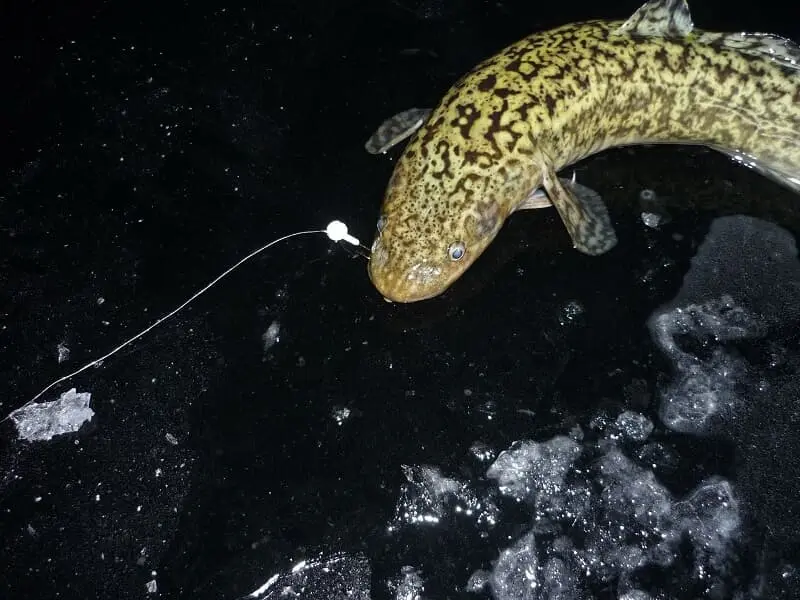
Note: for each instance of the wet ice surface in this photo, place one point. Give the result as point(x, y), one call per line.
point(43, 421)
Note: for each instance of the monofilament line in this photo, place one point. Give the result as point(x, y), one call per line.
point(336, 231)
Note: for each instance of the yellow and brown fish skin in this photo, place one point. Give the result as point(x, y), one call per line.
point(506, 127)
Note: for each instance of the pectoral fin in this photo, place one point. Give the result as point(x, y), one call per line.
point(583, 212)
point(395, 129)
point(536, 199)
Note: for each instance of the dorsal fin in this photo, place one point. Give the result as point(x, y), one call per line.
point(660, 18)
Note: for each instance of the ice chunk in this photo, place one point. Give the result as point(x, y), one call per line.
point(719, 320)
point(272, 335)
point(429, 494)
point(63, 352)
point(652, 220)
point(727, 295)
point(515, 575)
point(706, 378)
point(534, 469)
point(631, 492)
point(410, 585)
point(482, 451)
point(43, 421)
point(593, 523)
point(571, 311)
point(338, 577)
point(341, 414)
point(710, 517)
point(701, 393)
point(478, 581)
point(653, 213)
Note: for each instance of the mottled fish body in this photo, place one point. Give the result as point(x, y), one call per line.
point(497, 139)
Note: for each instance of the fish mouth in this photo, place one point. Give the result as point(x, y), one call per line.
point(394, 291)
point(412, 285)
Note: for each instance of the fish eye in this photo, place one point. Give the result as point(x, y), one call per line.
point(381, 223)
point(456, 250)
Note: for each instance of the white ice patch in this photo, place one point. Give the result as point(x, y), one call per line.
point(43, 421)
point(704, 386)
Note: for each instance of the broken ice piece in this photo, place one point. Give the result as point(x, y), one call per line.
point(45, 420)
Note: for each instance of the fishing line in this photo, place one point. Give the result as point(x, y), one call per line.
point(336, 231)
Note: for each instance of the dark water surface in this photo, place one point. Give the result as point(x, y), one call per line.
point(646, 400)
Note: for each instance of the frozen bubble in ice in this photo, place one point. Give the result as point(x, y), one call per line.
point(478, 581)
point(700, 393)
point(42, 421)
point(653, 212)
point(341, 414)
point(647, 196)
point(63, 352)
point(529, 468)
point(710, 517)
point(727, 295)
point(410, 586)
point(429, 494)
point(634, 426)
point(570, 312)
point(631, 491)
point(272, 335)
point(482, 452)
point(705, 382)
point(515, 575)
point(652, 220)
point(720, 320)
point(658, 456)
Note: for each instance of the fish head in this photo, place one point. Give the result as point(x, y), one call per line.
point(429, 234)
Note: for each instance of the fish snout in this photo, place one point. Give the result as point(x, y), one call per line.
point(399, 280)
